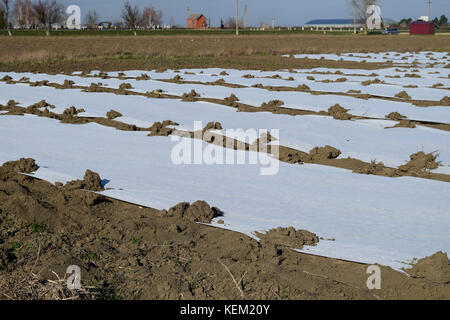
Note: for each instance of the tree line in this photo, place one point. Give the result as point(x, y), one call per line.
point(439, 22)
point(42, 14)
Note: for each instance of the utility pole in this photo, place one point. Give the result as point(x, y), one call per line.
point(354, 18)
point(245, 17)
point(237, 17)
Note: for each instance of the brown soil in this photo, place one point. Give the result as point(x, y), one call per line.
point(403, 124)
point(289, 237)
point(129, 252)
point(435, 268)
point(395, 116)
point(420, 162)
point(403, 95)
point(213, 126)
point(339, 113)
point(376, 168)
point(91, 181)
point(190, 97)
point(112, 114)
point(160, 128)
point(324, 153)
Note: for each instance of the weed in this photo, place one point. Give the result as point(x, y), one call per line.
point(36, 228)
point(136, 240)
point(16, 245)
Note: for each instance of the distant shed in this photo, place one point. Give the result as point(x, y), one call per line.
point(197, 21)
point(421, 27)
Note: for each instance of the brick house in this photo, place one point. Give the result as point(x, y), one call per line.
point(197, 21)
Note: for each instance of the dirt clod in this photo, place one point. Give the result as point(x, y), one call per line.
point(213, 126)
point(23, 165)
point(403, 95)
point(339, 113)
point(289, 237)
point(324, 153)
point(160, 128)
point(395, 116)
point(272, 104)
point(199, 211)
point(435, 268)
point(112, 114)
point(125, 86)
point(191, 96)
point(91, 181)
point(420, 162)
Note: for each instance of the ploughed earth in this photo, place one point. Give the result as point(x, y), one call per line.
point(126, 251)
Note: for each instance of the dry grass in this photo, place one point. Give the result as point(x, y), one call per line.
point(262, 51)
point(33, 288)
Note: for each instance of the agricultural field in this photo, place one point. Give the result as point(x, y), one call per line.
point(242, 170)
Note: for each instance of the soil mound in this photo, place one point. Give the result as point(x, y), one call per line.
point(289, 237)
point(339, 113)
point(143, 76)
point(191, 96)
point(395, 116)
point(72, 111)
point(403, 95)
point(435, 268)
point(231, 100)
point(272, 104)
point(125, 86)
point(160, 128)
point(374, 167)
point(112, 114)
point(91, 181)
point(199, 211)
point(213, 126)
point(24, 165)
point(41, 104)
point(303, 87)
point(324, 153)
point(419, 162)
point(445, 101)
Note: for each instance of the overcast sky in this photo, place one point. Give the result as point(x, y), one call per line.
point(285, 12)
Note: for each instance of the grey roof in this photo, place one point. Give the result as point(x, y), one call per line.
point(195, 16)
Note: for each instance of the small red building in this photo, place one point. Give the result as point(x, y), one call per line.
point(197, 21)
point(421, 27)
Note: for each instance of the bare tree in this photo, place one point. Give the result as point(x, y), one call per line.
point(23, 14)
point(230, 23)
point(360, 11)
point(131, 16)
point(91, 19)
point(151, 17)
point(47, 12)
point(6, 15)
